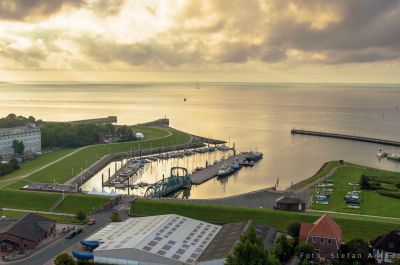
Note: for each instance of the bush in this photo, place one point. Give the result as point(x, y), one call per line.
point(64, 259)
point(81, 216)
point(393, 194)
point(8, 167)
point(115, 217)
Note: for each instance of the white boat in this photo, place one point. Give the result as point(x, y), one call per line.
point(224, 171)
point(223, 147)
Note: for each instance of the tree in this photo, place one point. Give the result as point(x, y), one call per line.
point(293, 230)
point(282, 249)
point(355, 251)
point(18, 147)
point(249, 250)
point(64, 259)
point(305, 251)
point(272, 260)
point(81, 216)
point(115, 217)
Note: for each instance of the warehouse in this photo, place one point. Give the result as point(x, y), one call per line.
point(169, 239)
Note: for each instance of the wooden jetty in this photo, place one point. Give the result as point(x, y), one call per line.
point(211, 171)
point(346, 137)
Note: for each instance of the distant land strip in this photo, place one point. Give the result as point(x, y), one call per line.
point(346, 137)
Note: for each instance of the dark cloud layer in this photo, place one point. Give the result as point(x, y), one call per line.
point(33, 9)
point(222, 32)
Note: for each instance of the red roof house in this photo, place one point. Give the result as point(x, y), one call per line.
point(325, 234)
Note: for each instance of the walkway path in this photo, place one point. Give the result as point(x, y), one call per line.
point(39, 212)
point(357, 214)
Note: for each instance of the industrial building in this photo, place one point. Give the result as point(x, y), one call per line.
point(171, 240)
point(29, 134)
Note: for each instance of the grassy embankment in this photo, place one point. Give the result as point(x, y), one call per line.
point(372, 203)
point(43, 201)
point(353, 227)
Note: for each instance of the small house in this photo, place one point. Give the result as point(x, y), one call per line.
point(386, 247)
point(290, 203)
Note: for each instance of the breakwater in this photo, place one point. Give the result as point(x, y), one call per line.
point(346, 137)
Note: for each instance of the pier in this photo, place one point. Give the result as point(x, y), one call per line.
point(211, 171)
point(346, 137)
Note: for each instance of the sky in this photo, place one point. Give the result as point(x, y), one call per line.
point(341, 41)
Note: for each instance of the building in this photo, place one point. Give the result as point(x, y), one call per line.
point(29, 134)
point(170, 239)
point(325, 234)
point(386, 247)
point(290, 203)
point(24, 233)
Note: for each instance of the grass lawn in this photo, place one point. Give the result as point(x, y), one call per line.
point(57, 218)
point(372, 203)
point(39, 201)
point(16, 185)
point(74, 202)
point(37, 163)
point(65, 169)
point(365, 229)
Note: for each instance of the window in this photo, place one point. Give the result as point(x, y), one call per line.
point(322, 240)
point(314, 239)
point(329, 241)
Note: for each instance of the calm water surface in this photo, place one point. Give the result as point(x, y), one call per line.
point(251, 115)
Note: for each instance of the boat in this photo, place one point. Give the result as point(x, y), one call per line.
point(82, 255)
point(395, 157)
point(188, 152)
point(224, 171)
point(235, 165)
point(212, 148)
point(90, 244)
point(199, 168)
point(253, 156)
point(223, 147)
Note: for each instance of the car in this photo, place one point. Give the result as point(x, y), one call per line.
point(91, 221)
point(71, 235)
point(74, 233)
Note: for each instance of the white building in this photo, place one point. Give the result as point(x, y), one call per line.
point(30, 135)
point(170, 240)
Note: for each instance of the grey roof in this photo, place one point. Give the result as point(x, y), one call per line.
point(30, 227)
point(224, 242)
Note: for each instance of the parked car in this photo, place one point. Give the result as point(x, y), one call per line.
point(91, 221)
point(74, 233)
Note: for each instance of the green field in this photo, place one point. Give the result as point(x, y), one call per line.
point(65, 169)
point(372, 203)
point(37, 163)
point(57, 218)
point(16, 185)
point(38, 201)
point(366, 229)
point(74, 202)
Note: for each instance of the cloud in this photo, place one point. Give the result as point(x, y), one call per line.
point(175, 34)
point(28, 10)
point(105, 8)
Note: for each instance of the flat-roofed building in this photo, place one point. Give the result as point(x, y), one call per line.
point(167, 239)
point(29, 134)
